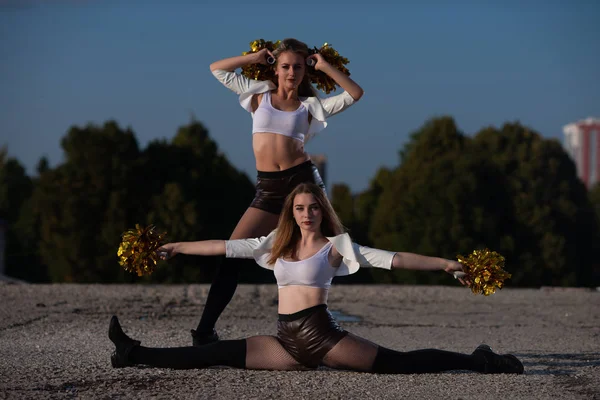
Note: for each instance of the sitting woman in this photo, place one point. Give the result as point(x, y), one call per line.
point(306, 251)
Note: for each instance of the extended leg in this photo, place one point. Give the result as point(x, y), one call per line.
point(421, 361)
point(231, 353)
point(355, 353)
point(257, 352)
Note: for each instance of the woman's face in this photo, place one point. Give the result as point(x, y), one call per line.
point(307, 212)
point(290, 70)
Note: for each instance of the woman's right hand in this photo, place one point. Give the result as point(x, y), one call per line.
point(262, 55)
point(167, 251)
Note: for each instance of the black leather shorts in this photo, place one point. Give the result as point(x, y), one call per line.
point(273, 187)
point(308, 335)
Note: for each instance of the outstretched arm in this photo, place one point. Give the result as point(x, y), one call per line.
point(424, 263)
point(239, 248)
point(370, 257)
point(200, 248)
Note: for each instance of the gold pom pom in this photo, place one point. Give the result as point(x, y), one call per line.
point(260, 72)
point(485, 271)
point(137, 251)
point(320, 79)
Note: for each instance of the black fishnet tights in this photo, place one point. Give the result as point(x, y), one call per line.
point(265, 352)
point(358, 354)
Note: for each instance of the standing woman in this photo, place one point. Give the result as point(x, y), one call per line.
point(285, 115)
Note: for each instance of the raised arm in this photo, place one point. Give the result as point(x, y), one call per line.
point(223, 70)
point(233, 63)
point(343, 80)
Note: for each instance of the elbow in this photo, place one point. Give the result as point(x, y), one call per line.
point(397, 262)
point(213, 67)
point(357, 94)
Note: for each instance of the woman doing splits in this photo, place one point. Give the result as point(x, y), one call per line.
point(306, 251)
point(285, 114)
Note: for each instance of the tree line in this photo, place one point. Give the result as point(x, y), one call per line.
point(507, 189)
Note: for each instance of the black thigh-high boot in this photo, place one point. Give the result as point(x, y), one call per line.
point(483, 359)
point(220, 294)
point(231, 353)
point(128, 352)
point(390, 361)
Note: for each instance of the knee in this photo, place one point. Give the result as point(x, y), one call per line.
point(332, 363)
point(387, 361)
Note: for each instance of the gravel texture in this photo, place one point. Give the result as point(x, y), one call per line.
point(54, 343)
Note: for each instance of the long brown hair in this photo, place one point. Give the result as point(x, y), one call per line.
point(305, 88)
point(288, 231)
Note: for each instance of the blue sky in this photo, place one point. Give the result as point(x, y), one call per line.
point(145, 64)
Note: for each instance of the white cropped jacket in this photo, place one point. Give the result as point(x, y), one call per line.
point(319, 108)
point(354, 255)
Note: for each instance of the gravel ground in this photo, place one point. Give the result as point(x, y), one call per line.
point(54, 344)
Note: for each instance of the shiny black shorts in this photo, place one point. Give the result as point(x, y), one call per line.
point(308, 335)
point(273, 187)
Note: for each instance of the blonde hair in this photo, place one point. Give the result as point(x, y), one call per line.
point(288, 231)
point(305, 88)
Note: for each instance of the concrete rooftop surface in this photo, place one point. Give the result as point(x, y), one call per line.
point(54, 343)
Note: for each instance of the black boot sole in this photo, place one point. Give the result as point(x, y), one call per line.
point(489, 367)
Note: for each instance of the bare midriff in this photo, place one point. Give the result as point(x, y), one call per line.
point(297, 298)
point(275, 152)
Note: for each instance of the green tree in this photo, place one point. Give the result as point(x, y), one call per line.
point(366, 203)
point(342, 201)
point(594, 196)
point(107, 185)
point(84, 204)
point(345, 205)
point(437, 201)
point(195, 193)
point(553, 224)
point(509, 190)
point(16, 187)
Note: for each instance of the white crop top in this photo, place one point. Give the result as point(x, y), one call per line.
point(268, 119)
point(315, 271)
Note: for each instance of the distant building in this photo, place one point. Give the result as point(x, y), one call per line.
point(320, 161)
point(582, 142)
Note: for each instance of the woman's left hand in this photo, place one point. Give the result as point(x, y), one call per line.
point(455, 269)
point(167, 251)
point(319, 61)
